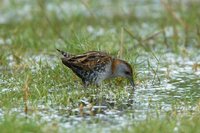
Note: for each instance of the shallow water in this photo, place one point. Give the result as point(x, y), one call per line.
point(179, 84)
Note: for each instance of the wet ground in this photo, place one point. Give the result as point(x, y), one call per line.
point(174, 87)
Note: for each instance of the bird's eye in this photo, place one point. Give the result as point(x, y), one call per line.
point(127, 72)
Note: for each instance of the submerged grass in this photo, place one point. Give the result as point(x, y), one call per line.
point(38, 94)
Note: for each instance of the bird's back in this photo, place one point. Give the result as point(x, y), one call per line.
point(89, 66)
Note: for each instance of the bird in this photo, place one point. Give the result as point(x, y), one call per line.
point(93, 67)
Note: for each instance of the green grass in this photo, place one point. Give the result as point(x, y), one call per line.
point(13, 124)
point(169, 124)
point(32, 75)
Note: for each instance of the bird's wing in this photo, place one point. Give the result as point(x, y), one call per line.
point(88, 61)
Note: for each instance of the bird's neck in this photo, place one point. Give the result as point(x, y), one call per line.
point(115, 67)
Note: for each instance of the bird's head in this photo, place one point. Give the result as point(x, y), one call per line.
point(121, 68)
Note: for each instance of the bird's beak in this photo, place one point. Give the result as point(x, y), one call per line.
point(132, 82)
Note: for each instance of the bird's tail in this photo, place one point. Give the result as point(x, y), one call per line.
point(65, 54)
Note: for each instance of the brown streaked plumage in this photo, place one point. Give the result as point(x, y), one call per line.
point(93, 67)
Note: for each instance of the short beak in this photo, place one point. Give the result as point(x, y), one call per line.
point(131, 82)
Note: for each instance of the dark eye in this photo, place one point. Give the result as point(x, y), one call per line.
point(127, 72)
